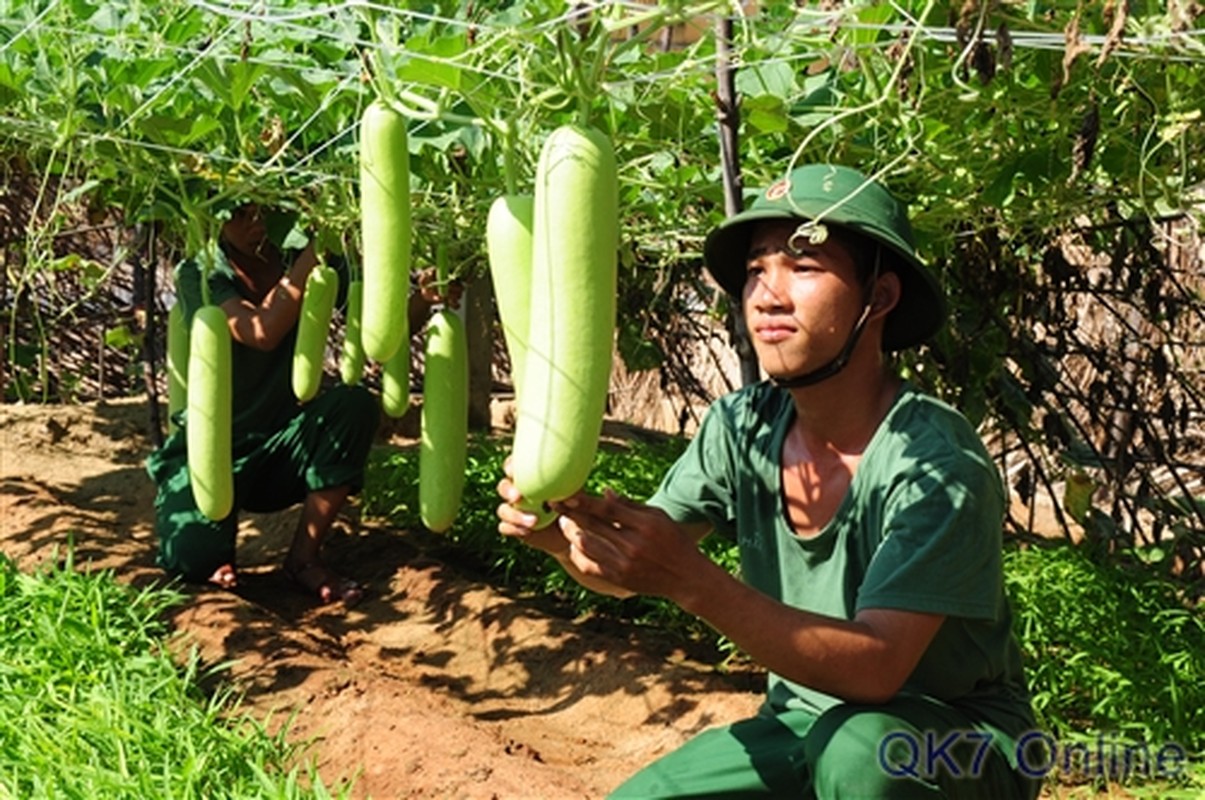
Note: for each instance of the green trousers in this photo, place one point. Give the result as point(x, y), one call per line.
point(911, 747)
point(323, 445)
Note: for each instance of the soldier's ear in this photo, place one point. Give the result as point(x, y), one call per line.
point(886, 293)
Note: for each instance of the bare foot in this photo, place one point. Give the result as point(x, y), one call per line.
point(325, 583)
point(224, 577)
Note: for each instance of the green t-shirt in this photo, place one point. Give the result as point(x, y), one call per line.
point(919, 529)
point(262, 379)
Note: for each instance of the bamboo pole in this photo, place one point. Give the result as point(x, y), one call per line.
point(728, 123)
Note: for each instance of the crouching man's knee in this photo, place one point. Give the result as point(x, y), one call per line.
point(905, 750)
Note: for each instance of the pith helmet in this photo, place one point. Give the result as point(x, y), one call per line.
point(843, 197)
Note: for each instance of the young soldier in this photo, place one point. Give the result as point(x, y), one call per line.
point(284, 452)
point(868, 517)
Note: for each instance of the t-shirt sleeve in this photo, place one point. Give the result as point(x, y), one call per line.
point(698, 487)
point(941, 550)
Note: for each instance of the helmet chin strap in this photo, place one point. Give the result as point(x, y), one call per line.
point(831, 368)
point(842, 358)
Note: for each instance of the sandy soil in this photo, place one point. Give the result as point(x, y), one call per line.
point(437, 685)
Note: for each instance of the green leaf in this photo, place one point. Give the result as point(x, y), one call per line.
point(1151, 555)
point(766, 114)
point(428, 62)
point(122, 337)
point(774, 77)
point(284, 229)
point(818, 103)
point(65, 263)
point(442, 139)
point(242, 77)
point(201, 127)
point(870, 16)
point(171, 130)
point(10, 80)
point(1000, 191)
point(107, 19)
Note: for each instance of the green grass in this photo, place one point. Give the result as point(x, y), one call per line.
point(1112, 653)
point(93, 704)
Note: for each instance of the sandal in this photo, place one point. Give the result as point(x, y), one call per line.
point(328, 585)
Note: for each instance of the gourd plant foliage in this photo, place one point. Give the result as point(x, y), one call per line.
point(1048, 152)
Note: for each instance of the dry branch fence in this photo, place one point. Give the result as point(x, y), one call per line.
point(1097, 413)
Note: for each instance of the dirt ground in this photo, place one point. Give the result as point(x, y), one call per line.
point(438, 685)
